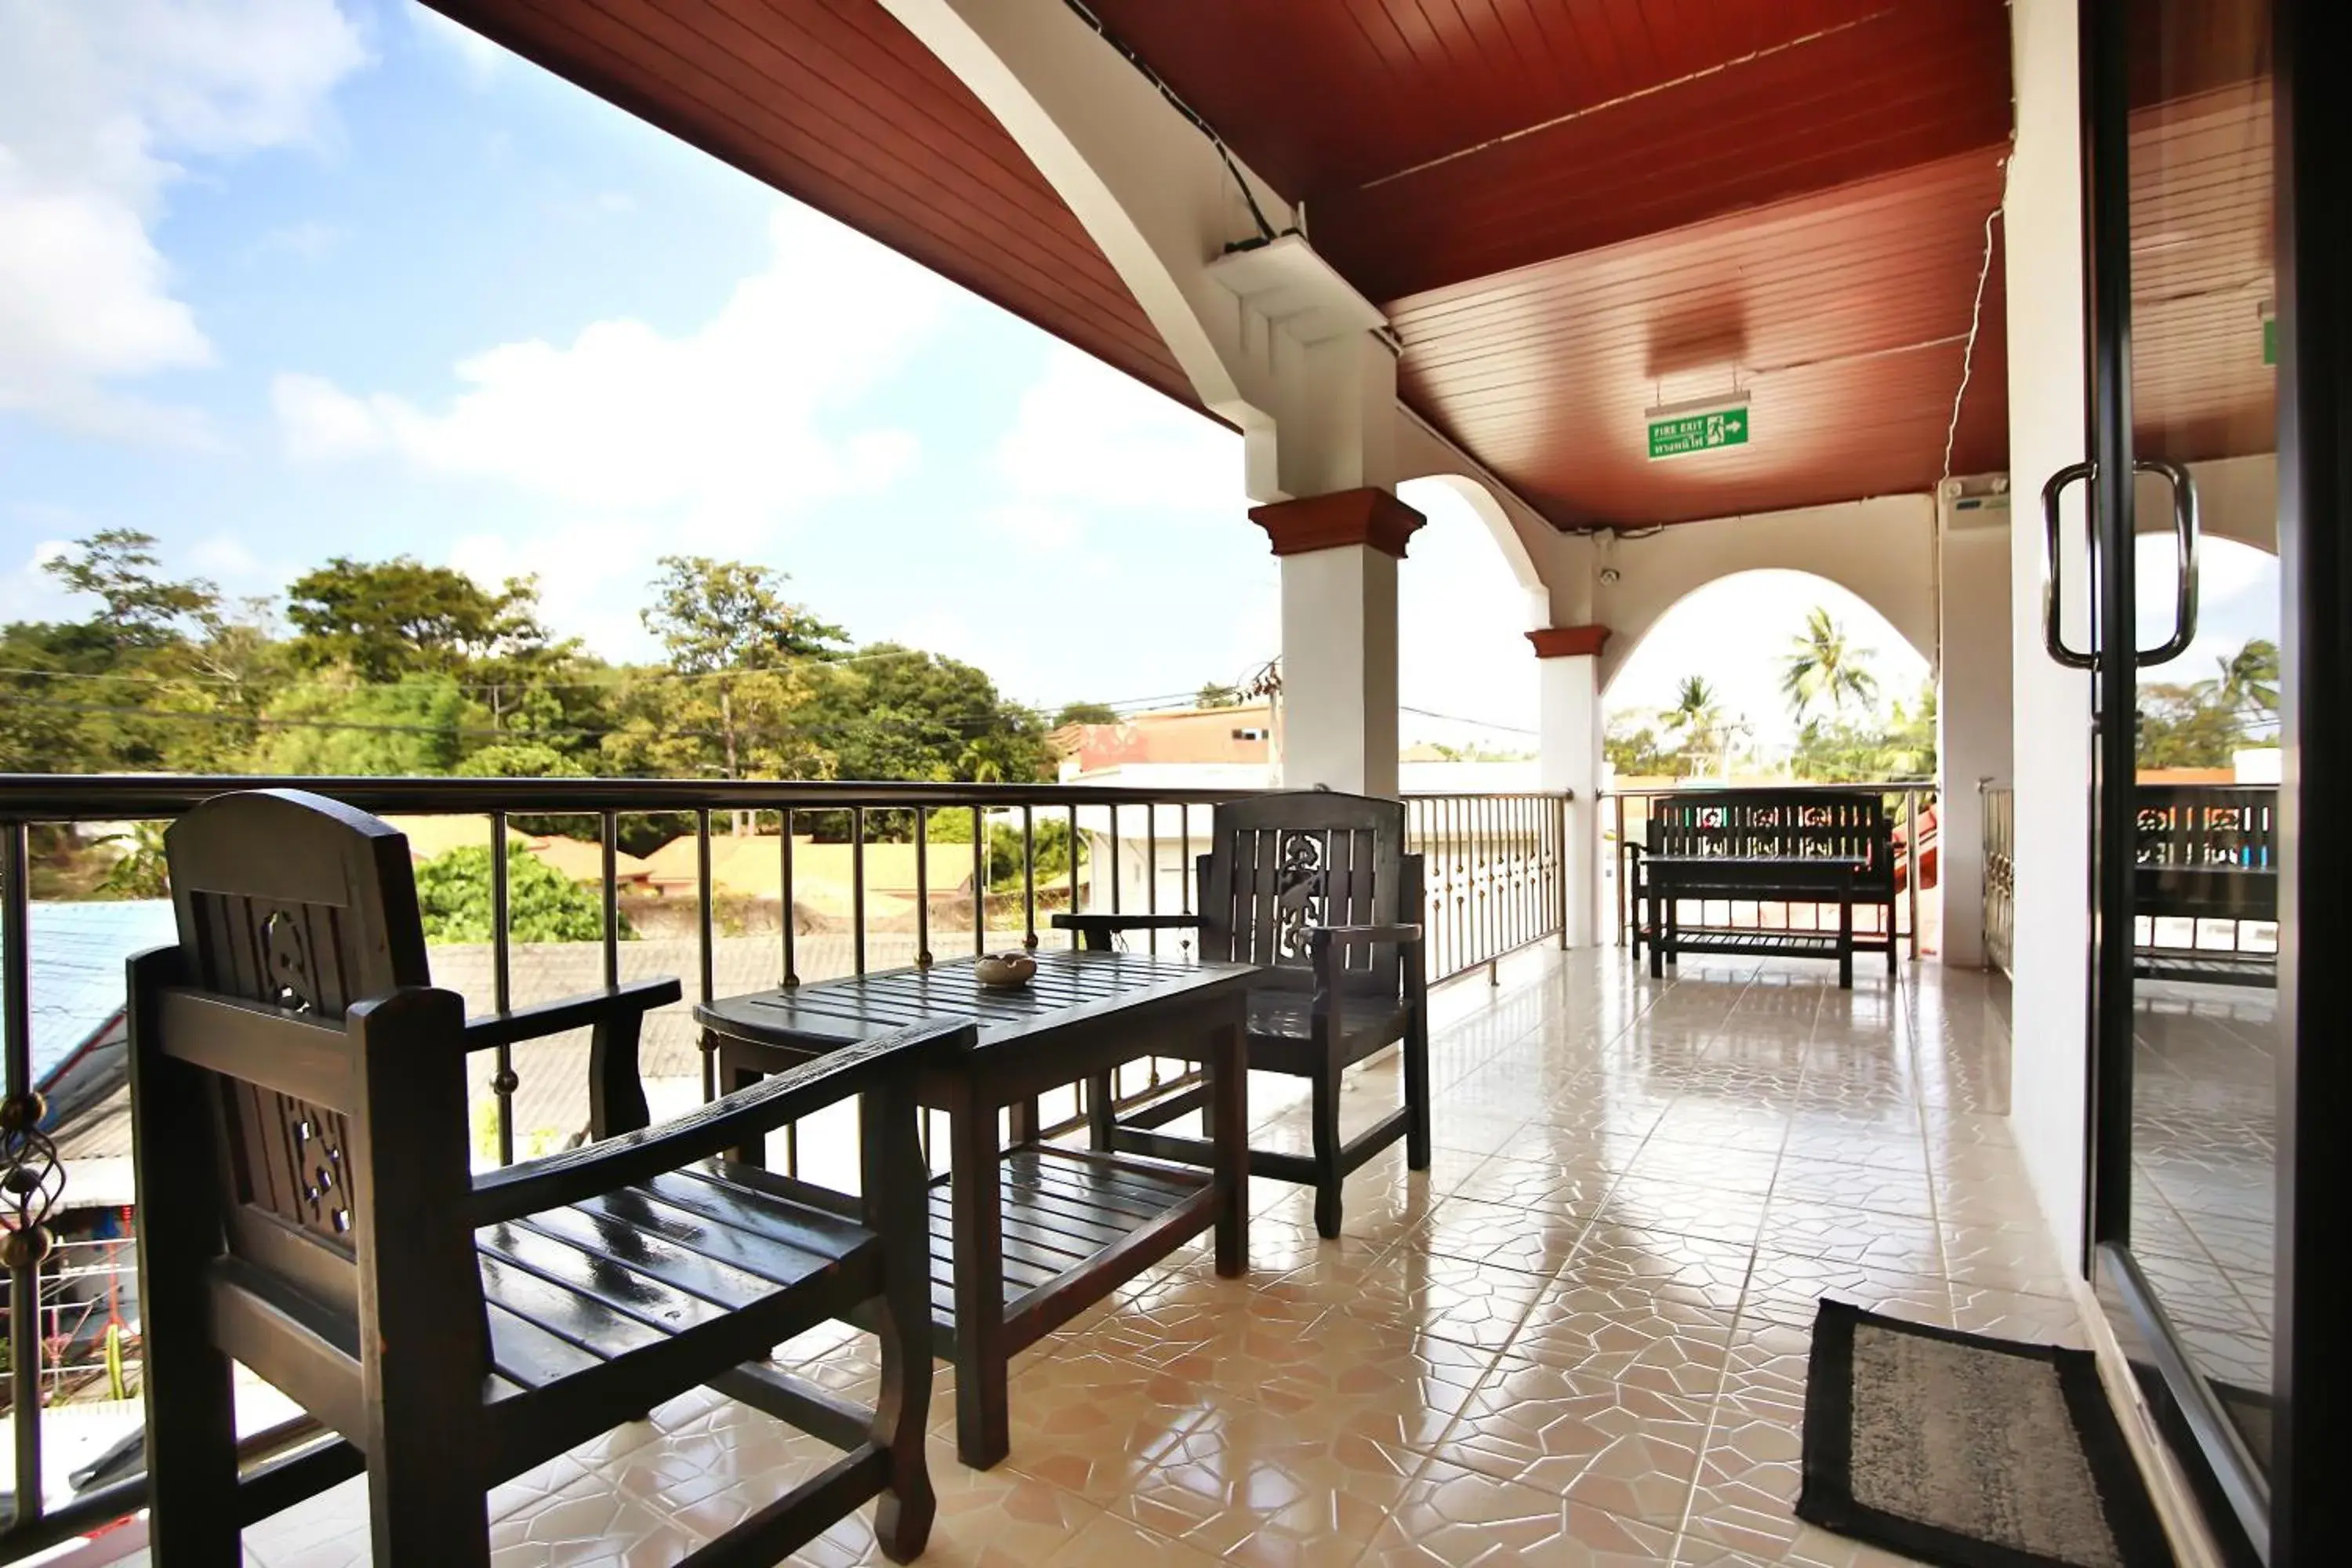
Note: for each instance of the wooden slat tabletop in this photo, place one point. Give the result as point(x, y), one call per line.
point(1067, 987)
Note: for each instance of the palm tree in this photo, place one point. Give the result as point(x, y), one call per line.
point(1696, 714)
point(1823, 667)
point(2249, 685)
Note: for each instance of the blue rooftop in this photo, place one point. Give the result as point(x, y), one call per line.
point(78, 951)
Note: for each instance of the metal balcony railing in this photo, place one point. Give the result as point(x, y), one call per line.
point(970, 867)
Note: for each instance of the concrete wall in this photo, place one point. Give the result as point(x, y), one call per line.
point(1972, 705)
point(2052, 704)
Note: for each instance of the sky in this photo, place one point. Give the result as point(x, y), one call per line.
point(285, 279)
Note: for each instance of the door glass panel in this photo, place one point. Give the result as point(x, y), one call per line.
point(2203, 1143)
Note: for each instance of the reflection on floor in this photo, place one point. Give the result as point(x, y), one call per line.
point(1580, 1338)
point(2204, 1168)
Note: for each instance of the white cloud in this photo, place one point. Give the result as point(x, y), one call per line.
point(726, 425)
point(1088, 434)
point(100, 105)
point(319, 421)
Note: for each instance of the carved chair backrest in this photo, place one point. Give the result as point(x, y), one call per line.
point(1786, 824)
point(1280, 865)
point(295, 901)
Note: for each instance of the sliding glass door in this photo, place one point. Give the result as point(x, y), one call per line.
point(2210, 689)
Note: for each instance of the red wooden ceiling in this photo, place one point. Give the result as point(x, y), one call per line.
point(835, 103)
point(1571, 208)
point(1438, 140)
point(1844, 314)
point(2203, 247)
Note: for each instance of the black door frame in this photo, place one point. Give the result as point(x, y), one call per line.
point(2312, 1450)
point(2294, 1515)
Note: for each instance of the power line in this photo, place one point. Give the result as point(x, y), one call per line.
point(1464, 719)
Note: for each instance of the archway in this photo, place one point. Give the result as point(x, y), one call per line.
point(1737, 634)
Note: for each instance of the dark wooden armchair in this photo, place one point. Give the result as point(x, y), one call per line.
point(306, 1207)
point(1315, 887)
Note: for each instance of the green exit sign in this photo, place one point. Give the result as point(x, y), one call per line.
point(1680, 435)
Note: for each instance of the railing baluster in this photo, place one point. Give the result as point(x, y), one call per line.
point(784, 898)
point(922, 886)
point(858, 887)
point(1151, 866)
point(503, 1080)
point(1074, 872)
point(611, 823)
point(1028, 876)
point(979, 880)
point(31, 1162)
point(707, 1046)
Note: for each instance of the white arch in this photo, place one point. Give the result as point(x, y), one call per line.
point(1147, 186)
point(1882, 550)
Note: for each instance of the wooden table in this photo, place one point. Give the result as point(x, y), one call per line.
point(1025, 1239)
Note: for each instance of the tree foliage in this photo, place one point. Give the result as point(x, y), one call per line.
point(453, 891)
point(397, 668)
point(388, 620)
point(1824, 670)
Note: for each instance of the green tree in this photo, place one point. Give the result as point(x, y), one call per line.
point(739, 678)
point(1217, 694)
point(895, 712)
point(341, 727)
point(389, 619)
point(452, 892)
point(2186, 726)
point(1697, 717)
point(1085, 713)
point(1635, 750)
point(2249, 682)
point(1824, 669)
point(117, 567)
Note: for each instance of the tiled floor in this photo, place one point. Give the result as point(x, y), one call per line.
point(1580, 1339)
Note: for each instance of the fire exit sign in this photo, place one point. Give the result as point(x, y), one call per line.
point(1678, 435)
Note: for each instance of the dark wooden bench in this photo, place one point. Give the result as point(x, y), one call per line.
point(2204, 853)
point(1825, 848)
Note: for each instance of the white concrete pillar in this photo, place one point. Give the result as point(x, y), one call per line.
point(1340, 556)
point(1568, 697)
point(2043, 219)
point(1973, 703)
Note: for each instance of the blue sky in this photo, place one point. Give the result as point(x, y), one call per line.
point(295, 279)
point(282, 279)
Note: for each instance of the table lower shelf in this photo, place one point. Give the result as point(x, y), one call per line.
point(1063, 1211)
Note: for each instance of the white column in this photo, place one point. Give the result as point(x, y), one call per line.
point(1339, 554)
point(2048, 1008)
point(1339, 669)
point(1568, 696)
point(1973, 702)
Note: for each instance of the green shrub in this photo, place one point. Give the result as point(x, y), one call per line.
point(542, 903)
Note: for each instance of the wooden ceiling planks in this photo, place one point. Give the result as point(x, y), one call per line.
point(2202, 273)
point(1845, 314)
point(837, 105)
point(1574, 208)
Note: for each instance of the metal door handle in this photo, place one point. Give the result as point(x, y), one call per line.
point(2184, 540)
point(2052, 637)
point(2185, 527)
